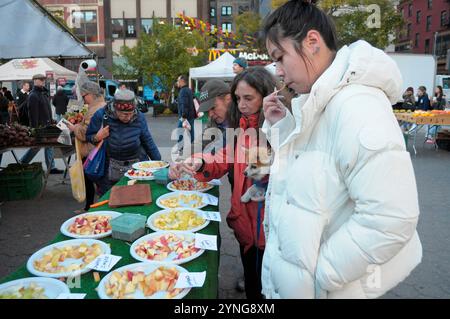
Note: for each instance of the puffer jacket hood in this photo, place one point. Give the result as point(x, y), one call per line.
point(360, 63)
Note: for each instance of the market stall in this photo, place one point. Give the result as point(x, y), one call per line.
point(222, 68)
point(16, 136)
point(24, 69)
point(431, 120)
point(88, 284)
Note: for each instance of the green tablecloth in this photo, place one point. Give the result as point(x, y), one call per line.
point(208, 261)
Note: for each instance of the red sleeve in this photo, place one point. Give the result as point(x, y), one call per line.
point(216, 165)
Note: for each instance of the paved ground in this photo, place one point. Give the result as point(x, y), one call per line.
point(26, 226)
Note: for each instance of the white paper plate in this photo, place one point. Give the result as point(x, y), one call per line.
point(170, 258)
point(64, 227)
point(139, 166)
point(52, 287)
point(72, 242)
point(173, 189)
point(140, 178)
point(146, 268)
point(181, 205)
point(161, 212)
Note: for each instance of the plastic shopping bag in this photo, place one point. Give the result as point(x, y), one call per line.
point(77, 176)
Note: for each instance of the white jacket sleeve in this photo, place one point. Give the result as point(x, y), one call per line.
point(278, 133)
point(380, 180)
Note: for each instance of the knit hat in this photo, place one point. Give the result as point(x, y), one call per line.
point(124, 100)
point(242, 62)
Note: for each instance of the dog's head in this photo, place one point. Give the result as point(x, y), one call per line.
point(259, 161)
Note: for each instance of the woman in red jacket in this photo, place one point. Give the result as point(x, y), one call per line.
point(247, 91)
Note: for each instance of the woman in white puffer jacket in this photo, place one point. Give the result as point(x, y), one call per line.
point(341, 205)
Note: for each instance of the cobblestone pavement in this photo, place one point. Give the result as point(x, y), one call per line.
point(26, 226)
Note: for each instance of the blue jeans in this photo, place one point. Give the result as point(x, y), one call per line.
point(31, 153)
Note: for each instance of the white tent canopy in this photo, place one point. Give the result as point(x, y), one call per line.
point(221, 68)
point(24, 69)
point(29, 31)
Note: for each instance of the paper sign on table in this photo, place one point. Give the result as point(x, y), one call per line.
point(190, 279)
point(208, 242)
point(214, 216)
point(210, 199)
point(215, 182)
point(104, 262)
point(71, 296)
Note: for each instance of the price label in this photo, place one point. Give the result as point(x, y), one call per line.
point(210, 199)
point(191, 279)
point(104, 262)
point(214, 216)
point(208, 242)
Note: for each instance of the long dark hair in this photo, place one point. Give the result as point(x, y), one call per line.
point(441, 91)
point(294, 20)
point(258, 78)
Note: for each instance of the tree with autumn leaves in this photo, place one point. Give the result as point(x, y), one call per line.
point(165, 53)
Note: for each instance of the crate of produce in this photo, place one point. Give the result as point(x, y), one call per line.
point(21, 181)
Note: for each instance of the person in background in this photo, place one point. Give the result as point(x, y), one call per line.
point(239, 65)
point(438, 103)
point(7, 93)
point(21, 102)
point(438, 99)
point(156, 97)
point(4, 115)
point(409, 101)
point(186, 109)
point(423, 102)
point(60, 101)
point(92, 96)
point(40, 115)
point(126, 132)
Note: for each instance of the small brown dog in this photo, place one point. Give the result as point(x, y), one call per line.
point(258, 169)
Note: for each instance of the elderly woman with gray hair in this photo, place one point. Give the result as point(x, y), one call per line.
point(92, 96)
point(127, 137)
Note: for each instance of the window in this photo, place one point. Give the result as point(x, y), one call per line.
point(213, 28)
point(130, 28)
point(430, 4)
point(416, 42)
point(428, 23)
point(213, 12)
point(226, 27)
point(227, 10)
point(408, 34)
point(443, 18)
point(85, 25)
point(427, 46)
point(418, 16)
point(146, 25)
point(410, 10)
point(117, 28)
